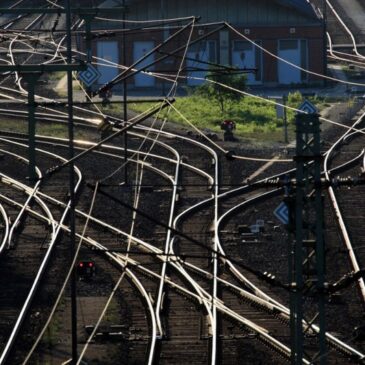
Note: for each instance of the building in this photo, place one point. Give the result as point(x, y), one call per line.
point(290, 29)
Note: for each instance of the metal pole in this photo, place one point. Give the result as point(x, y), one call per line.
point(31, 80)
point(87, 19)
point(123, 75)
point(297, 286)
point(324, 14)
point(125, 111)
point(165, 36)
point(309, 250)
point(71, 184)
point(286, 140)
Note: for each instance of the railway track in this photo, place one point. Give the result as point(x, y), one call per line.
point(165, 243)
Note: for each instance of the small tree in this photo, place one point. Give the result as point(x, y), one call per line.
point(222, 95)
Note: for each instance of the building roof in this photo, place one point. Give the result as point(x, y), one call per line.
point(304, 6)
point(110, 4)
point(281, 10)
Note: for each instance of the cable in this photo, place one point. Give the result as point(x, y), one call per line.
point(290, 63)
point(170, 20)
point(280, 104)
point(72, 267)
point(258, 274)
point(170, 94)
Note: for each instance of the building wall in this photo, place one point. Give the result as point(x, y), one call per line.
point(261, 21)
point(269, 37)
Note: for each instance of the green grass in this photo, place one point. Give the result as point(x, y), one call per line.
point(44, 129)
point(255, 118)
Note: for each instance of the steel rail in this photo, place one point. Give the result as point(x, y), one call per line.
point(339, 216)
point(168, 240)
point(32, 194)
point(27, 202)
point(333, 54)
point(216, 208)
point(139, 242)
point(211, 311)
point(48, 140)
point(35, 284)
point(15, 19)
point(17, 78)
point(14, 183)
point(263, 334)
point(285, 311)
point(145, 295)
point(162, 256)
point(338, 343)
point(158, 307)
point(6, 228)
point(197, 170)
point(204, 298)
point(174, 185)
point(348, 31)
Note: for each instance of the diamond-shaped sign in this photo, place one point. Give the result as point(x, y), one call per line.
point(89, 76)
point(308, 107)
point(282, 213)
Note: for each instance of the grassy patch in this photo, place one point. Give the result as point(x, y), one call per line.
point(44, 129)
point(255, 118)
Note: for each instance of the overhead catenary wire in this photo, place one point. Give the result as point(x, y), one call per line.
point(171, 94)
point(257, 273)
point(65, 282)
point(290, 63)
point(122, 77)
point(277, 103)
point(270, 101)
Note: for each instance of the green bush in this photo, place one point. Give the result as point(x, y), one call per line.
point(225, 97)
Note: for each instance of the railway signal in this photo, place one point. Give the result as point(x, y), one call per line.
point(86, 269)
point(228, 126)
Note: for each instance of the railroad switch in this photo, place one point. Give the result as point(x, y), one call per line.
point(346, 281)
point(105, 125)
point(230, 155)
